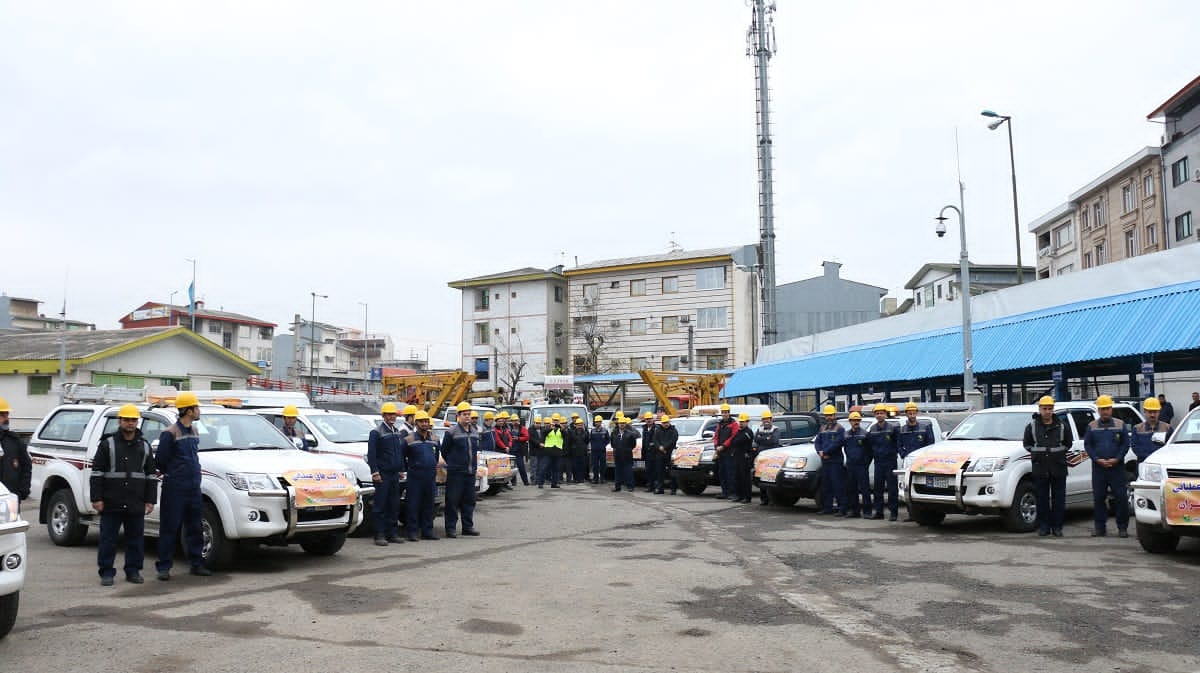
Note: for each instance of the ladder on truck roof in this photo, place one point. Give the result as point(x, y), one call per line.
point(80, 393)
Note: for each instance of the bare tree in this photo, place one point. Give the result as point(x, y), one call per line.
point(594, 336)
point(510, 368)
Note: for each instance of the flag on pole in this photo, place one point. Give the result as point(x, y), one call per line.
point(192, 298)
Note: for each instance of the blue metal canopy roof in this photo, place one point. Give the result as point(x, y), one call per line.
point(1157, 320)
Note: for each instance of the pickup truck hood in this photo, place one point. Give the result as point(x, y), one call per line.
point(1177, 455)
point(349, 448)
point(265, 461)
point(973, 448)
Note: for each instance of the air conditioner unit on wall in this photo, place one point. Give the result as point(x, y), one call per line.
point(614, 323)
point(557, 341)
point(685, 319)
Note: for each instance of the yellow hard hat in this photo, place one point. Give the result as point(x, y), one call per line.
point(911, 406)
point(664, 419)
point(421, 416)
point(1046, 401)
point(387, 408)
point(597, 419)
point(878, 408)
point(290, 411)
point(4, 408)
point(537, 420)
point(409, 410)
point(128, 411)
point(828, 410)
point(768, 414)
point(622, 419)
point(555, 417)
point(1152, 404)
point(855, 416)
point(743, 417)
point(574, 414)
point(474, 414)
point(186, 399)
point(724, 408)
point(1104, 401)
point(579, 420)
point(487, 416)
point(463, 406)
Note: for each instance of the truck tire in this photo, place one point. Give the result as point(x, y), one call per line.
point(1021, 516)
point(493, 489)
point(323, 545)
point(692, 487)
point(8, 612)
point(925, 516)
point(62, 520)
point(219, 551)
point(782, 498)
point(1156, 542)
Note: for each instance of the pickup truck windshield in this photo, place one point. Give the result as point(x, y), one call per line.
point(238, 431)
point(1189, 431)
point(999, 425)
point(342, 429)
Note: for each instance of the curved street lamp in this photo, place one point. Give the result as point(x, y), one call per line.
point(965, 283)
point(1000, 120)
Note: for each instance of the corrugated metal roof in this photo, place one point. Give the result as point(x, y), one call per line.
point(1157, 320)
point(78, 343)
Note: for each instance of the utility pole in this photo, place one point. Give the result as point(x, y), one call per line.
point(313, 363)
point(760, 45)
point(192, 295)
point(62, 353)
point(364, 367)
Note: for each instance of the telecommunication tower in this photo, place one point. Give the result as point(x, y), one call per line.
point(760, 46)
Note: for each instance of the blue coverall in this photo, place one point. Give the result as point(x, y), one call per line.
point(858, 459)
point(1105, 440)
point(419, 458)
point(460, 450)
point(180, 503)
point(829, 443)
point(384, 458)
point(882, 440)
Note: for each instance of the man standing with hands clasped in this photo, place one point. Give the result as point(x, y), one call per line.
point(123, 490)
point(1047, 440)
point(1106, 443)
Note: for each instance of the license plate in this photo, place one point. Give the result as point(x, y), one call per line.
point(768, 477)
point(937, 480)
point(322, 508)
point(640, 463)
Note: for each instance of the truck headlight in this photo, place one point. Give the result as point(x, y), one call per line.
point(989, 464)
point(708, 455)
point(350, 476)
point(9, 508)
point(795, 463)
point(250, 481)
point(1150, 472)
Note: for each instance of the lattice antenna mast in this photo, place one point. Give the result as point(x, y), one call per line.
point(760, 46)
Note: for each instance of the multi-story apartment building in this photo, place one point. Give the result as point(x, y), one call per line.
point(514, 328)
point(683, 310)
point(935, 283)
point(1057, 236)
point(1180, 115)
point(25, 315)
point(251, 338)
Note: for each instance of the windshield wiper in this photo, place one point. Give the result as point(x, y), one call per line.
point(1186, 441)
point(985, 439)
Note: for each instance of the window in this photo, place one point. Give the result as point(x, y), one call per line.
point(244, 353)
point(670, 324)
point(265, 332)
point(482, 366)
point(918, 297)
point(558, 329)
point(710, 279)
point(1065, 269)
point(1127, 198)
point(1101, 254)
point(66, 426)
point(512, 330)
point(939, 291)
point(558, 364)
point(1087, 260)
point(637, 288)
point(636, 364)
point(243, 331)
point(670, 284)
point(514, 295)
point(1148, 186)
point(1179, 172)
point(483, 299)
point(1083, 219)
point(122, 380)
point(39, 385)
point(482, 334)
point(1062, 236)
point(1151, 234)
point(637, 325)
point(1131, 246)
point(227, 340)
point(670, 362)
point(712, 318)
point(929, 295)
point(591, 292)
point(220, 385)
point(712, 358)
point(560, 293)
point(1098, 213)
point(328, 359)
point(214, 327)
point(1183, 226)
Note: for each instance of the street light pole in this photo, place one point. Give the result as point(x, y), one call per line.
point(1012, 164)
point(364, 367)
point(312, 342)
point(965, 282)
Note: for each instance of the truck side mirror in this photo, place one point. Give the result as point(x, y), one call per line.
point(707, 434)
point(312, 441)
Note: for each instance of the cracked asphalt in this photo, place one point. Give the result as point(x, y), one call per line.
point(582, 579)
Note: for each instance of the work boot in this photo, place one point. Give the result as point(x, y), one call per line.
point(164, 575)
point(200, 571)
point(381, 541)
point(1122, 533)
point(1099, 532)
point(134, 578)
point(106, 581)
point(471, 532)
point(451, 534)
point(1057, 532)
point(395, 539)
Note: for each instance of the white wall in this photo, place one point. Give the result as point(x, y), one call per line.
point(532, 313)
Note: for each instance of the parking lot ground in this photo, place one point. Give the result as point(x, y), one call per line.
point(583, 579)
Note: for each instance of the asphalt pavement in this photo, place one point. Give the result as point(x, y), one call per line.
point(583, 579)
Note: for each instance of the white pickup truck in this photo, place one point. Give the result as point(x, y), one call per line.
point(257, 487)
point(983, 467)
point(13, 558)
point(1166, 494)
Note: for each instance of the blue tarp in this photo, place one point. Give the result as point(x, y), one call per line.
point(1158, 320)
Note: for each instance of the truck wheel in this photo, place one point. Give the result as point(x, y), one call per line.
point(924, 516)
point(493, 489)
point(218, 551)
point(62, 520)
point(324, 545)
point(1021, 516)
point(782, 498)
point(8, 612)
point(1156, 542)
point(692, 487)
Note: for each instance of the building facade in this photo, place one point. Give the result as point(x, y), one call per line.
point(683, 310)
point(24, 314)
point(251, 338)
point(824, 302)
point(936, 283)
point(1120, 213)
point(327, 356)
point(1181, 163)
point(514, 329)
point(1057, 236)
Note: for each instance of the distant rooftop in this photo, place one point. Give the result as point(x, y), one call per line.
point(524, 273)
point(660, 259)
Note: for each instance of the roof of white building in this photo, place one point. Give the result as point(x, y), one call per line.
point(87, 346)
point(663, 259)
point(524, 273)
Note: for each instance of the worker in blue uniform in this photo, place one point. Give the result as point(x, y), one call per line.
point(598, 439)
point(460, 450)
point(1106, 442)
point(829, 444)
point(858, 460)
point(292, 429)
point(419, 458)
point(766, 437)
point(181, 502)
point(882, 441)
point(385, 460)
point(1147, 437)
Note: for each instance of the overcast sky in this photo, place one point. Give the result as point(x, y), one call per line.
point(375, 151)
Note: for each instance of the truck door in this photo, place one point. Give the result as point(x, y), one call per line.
point(1079, 474)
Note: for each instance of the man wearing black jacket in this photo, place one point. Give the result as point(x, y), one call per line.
point(650, 453)
point(1047, 440)
point(16, 470)
point(667, 438)
point(624, 441)
point(577, 447)
point(123, 490)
